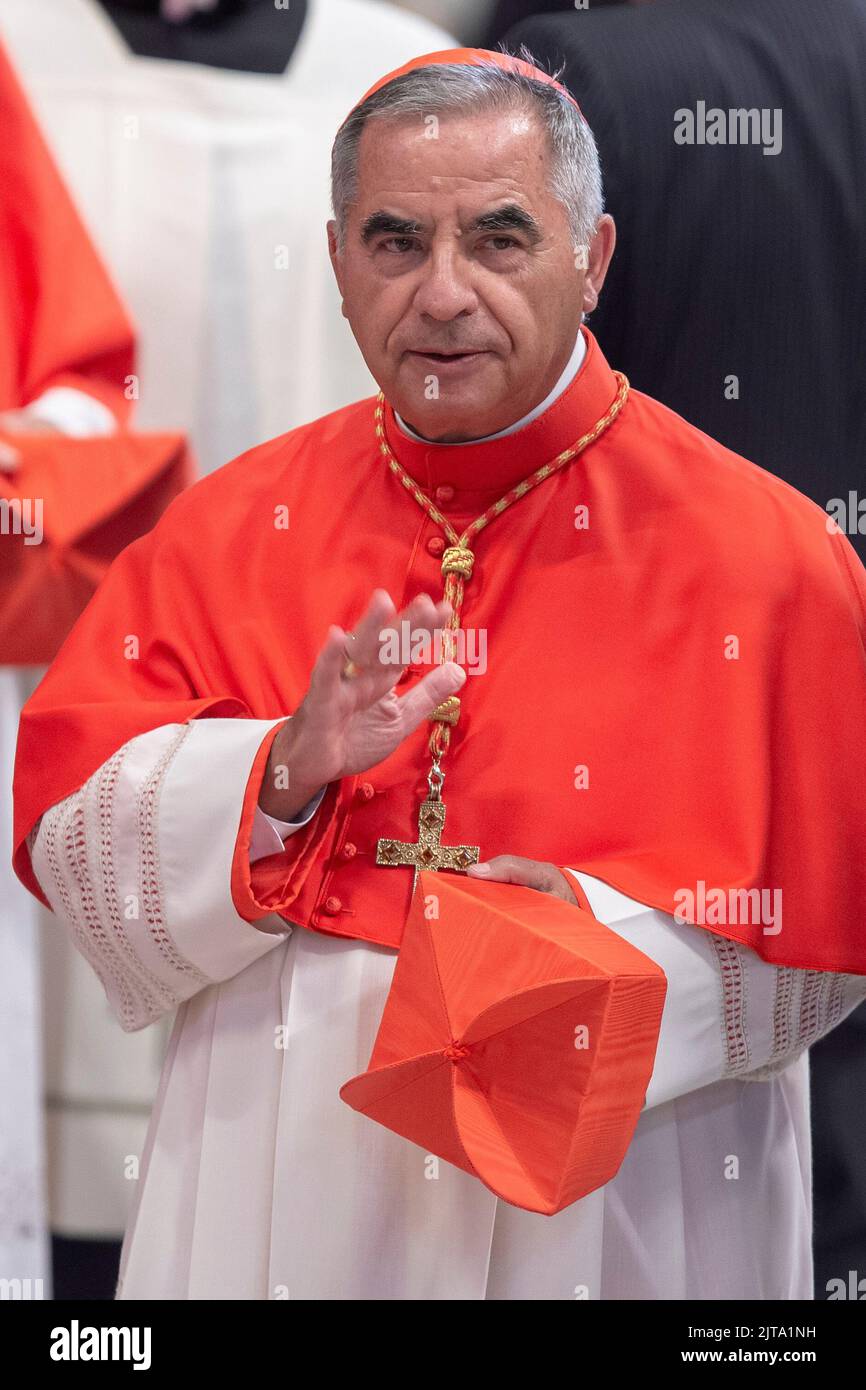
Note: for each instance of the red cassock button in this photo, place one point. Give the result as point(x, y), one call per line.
point(435, 545)
point(331, 906)
point(366, 791)
point(444, 493)
point(348, 851)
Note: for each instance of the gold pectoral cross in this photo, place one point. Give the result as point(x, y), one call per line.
point(428, 852)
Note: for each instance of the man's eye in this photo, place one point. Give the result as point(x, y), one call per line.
point(398, 244)
point(501, 243)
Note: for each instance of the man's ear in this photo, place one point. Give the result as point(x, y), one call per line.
point(335, 259)
point(600, 254)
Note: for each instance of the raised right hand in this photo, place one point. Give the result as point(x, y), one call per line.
point(343, 727)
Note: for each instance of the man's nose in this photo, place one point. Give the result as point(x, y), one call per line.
point(445, 289)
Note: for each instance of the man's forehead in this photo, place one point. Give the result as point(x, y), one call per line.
point(465, 164)
point(478, 144)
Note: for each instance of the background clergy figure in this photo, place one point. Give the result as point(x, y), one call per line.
point(66, 350)
point(661, 651)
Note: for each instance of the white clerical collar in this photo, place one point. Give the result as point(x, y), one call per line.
point(569, 372)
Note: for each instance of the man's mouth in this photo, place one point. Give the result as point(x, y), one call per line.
point(447, 356)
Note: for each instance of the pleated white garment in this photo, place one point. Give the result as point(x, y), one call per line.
point(258, 1182)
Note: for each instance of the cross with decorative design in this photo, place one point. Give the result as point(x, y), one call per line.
point(427, 852)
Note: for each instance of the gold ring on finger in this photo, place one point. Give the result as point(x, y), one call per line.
point(350, 670)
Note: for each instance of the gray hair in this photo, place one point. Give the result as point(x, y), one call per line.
point(456, 87)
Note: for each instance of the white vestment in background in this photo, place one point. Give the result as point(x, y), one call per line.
point(24, 1243)
point(207, 193)
point(23, 1238)
point(258, 1182)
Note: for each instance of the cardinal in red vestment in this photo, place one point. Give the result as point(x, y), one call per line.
point(615, 653)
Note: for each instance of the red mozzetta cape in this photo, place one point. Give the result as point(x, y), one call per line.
point(61, 322)
point(662, 614)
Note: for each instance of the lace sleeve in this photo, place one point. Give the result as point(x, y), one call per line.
point(137, 866)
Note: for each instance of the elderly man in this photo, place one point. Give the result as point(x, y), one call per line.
point(221, 781)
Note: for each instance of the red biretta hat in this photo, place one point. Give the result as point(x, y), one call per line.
point(517, 1040)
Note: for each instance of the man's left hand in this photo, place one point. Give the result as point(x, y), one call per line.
point(532, 873)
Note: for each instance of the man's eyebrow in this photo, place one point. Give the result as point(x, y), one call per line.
point(511, 217)
point(382, 221)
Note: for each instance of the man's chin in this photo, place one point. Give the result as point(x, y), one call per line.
point(460, 409)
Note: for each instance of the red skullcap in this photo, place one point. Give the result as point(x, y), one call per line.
point(470, 57)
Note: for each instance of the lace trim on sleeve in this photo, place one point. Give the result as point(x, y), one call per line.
point(732, 974)
point(806, 1005)
point(106, 919)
